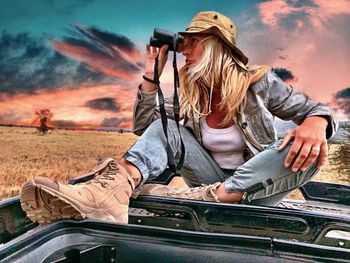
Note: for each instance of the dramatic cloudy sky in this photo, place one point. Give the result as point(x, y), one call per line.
point(83, 59)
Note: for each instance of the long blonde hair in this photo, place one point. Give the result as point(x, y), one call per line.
point(216, 69)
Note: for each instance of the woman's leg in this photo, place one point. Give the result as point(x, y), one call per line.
point(264, 179)
point(106, 197)
point(149, 155)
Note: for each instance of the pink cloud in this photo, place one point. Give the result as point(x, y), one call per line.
point(272, 11)
point(313, 46)
point(97, 62)
point(327, 9)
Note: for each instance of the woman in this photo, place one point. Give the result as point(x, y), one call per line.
point(228, 110)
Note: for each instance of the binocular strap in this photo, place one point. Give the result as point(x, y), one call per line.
point(176, 111)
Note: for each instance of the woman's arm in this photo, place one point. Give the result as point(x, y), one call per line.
point(286, 104)
point(145, 107)
point(316, 124)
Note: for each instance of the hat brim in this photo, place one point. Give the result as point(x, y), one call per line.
point(216, 31)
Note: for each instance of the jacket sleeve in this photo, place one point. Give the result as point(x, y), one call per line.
point(296, 106)
point(146, 110)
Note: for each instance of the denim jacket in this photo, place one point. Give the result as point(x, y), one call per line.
point(267, 98)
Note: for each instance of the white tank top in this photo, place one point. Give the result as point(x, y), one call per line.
point(225, 145)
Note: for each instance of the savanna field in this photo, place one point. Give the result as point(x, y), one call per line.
point(64, 154)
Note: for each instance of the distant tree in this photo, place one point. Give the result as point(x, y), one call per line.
point(43, 116)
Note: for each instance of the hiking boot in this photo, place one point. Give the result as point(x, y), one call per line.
point(106, 197)
point(204, 193)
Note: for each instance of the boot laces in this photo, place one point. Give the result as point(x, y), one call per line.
point(190, 192)
point(107, 174)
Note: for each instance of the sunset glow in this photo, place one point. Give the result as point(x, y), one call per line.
point(86, 66)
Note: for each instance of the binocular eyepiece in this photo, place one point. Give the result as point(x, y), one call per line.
point(163, 37)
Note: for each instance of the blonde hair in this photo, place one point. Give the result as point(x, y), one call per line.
point(216, 69)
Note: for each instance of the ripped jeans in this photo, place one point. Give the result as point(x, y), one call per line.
point(148, 154)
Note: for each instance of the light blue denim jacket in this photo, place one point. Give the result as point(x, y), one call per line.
point(267, 98)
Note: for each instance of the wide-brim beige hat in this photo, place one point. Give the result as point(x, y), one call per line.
point(211, 22)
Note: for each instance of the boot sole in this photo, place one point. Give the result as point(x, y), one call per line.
point(45, 207)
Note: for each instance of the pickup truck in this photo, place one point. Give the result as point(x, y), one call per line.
point(163, 229)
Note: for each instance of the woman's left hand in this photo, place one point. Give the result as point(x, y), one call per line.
point(309, 143)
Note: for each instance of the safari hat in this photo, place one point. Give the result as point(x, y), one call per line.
point(211, 22)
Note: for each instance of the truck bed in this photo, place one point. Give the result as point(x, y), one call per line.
point(177, 230)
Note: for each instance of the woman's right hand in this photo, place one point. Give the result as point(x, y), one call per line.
point(151, 54)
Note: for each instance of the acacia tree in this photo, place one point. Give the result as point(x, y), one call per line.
point(44, 116)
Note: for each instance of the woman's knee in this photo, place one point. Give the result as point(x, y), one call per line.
point(157, 126)
point(308, 174)
point(155, 133)
point(155, 130)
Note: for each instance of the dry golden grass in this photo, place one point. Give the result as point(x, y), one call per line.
point(65, 154)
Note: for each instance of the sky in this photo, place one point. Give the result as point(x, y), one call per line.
point(83, 59)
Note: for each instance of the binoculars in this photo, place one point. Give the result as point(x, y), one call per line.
point(163, 37)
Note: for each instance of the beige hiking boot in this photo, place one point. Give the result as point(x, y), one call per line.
point(204, 193)
point(106, 197)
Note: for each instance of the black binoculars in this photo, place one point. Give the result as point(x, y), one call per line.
point(163, 37)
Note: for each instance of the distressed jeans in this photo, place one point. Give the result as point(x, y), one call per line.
point(149, 155)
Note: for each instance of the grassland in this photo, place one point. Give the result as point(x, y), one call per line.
point(61, 155)
point(64, 154)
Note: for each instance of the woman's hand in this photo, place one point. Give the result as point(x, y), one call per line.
point(151, 54)
point(309, 143)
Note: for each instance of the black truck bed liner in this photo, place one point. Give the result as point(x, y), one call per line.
point(178, 230)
